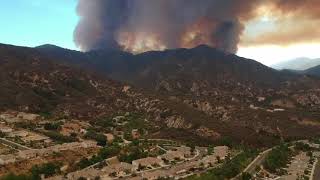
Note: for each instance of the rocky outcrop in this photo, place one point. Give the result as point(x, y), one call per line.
point(284, 103)
point(208, 133)
point(177, 122)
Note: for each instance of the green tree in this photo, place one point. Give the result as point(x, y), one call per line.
point(246, 176)
point(2, 134)
point(277, 158)
point(210, 149)
point(48, 169)
point(100, 138)
point(52, 126)
point(12, 176)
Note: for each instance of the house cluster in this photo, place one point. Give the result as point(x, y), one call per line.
point(152, 168)
point(220, 153)
point(113, 171)
point(14, 117)
point(5, 129)
point(11, 117)
point(33, 153)
point(147, 163)
point(74, 127)
point(28, 137)
point(188, 167)
point(109, 172)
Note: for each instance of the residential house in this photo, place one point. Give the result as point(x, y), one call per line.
point(135, 134)
point(20, 133)
point(90, 174)
point(33, 137)
point(221, 151)
point(27, 136)
point(209, 161)
point(316, 154)
point(32, 153)
point(117, 170)
point(5, 129)
point(179, 153)
point(28, 116)
point(10, 117)
point(7, 159)
point(28, 154)
point(172, 156)
point(88, 144)
point(147, 163)
point(154, 175)
point(110, 137)
point(73, 127)
point(185, 150)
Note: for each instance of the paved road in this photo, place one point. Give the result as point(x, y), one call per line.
point(257, 162)
point(260, 159)
point(254, 164)
point(13, 144)
point(316, 173)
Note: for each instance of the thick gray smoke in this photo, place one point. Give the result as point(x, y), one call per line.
point(138, 25)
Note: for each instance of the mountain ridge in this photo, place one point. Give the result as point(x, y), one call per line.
point(200, 93)
point(298, 64)
point(314, 71)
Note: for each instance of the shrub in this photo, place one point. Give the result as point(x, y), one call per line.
point(300, 146)
point(246, 176)
point(277, 158)
point(59, 137)
point(52, 126)
point(48, 169)
point(100, 138)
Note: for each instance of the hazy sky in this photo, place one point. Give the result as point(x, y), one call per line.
point(37, 22)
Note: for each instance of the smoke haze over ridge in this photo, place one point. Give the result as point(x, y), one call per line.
point(142, 25)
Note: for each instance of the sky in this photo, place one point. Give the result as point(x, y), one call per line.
point(36, 22)
point(273, 53)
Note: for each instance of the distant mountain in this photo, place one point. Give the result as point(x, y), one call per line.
point(298, 64)
point(315, 71)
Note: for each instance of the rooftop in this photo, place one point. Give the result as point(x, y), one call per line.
point(147, 161)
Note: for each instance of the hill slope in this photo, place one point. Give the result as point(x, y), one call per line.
point(198, 93)
point(315, 71)
point(200, 62)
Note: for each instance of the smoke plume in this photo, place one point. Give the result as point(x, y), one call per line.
point(140, 25)
point(294, 22)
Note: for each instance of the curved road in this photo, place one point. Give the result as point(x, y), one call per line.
point(316, 172)
point(13, 144)
point(257, 162)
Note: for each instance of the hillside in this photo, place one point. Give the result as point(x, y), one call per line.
point(299, 64)
point(35, 83)
point(315, 71)
point(31, 82)
point(201, 94)
point(200, 62)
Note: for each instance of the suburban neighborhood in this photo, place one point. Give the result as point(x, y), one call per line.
point(118, 148)
point(120, 151)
